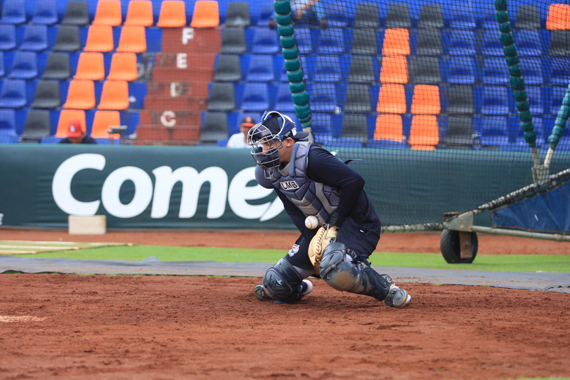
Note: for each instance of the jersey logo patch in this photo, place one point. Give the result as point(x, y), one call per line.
point(289, 185)
point(293, 250)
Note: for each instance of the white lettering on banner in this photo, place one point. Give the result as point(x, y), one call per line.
point(112, 189)
point(181, 62)
point(187, 35)
point(168, 119)
point(240, 193)
point(192, 181)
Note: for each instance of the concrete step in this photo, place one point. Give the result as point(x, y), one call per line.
point(186, 103)
point(190, 74)
point(170, 118)
point(190, 40)
point(183, 60)
point(176, 89)
point(180, 134)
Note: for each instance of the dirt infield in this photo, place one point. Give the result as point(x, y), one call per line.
point(95, 327)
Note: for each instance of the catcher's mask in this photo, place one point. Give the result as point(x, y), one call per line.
point(270, 132)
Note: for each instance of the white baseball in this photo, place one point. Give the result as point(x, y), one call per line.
point(311, 222)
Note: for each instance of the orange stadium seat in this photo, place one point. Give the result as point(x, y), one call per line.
point(426, 100)
point(133, 39)
point(65, 116)
point(115, 95)
point(90, 67)
point(172, 14)
point(424, 133)
point(389, 127)
point(100, 38)
point(558, 17)
point(392, 99)
point(139, 13)
point(108, 13)
point(396, 42)
point(394, 69)
point(206, 14)
point(102, 121)
point(81, 95)
point(123, 67)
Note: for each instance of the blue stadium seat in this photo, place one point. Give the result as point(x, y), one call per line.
point(528, 43)
point(304, 39)
point(488, 19)
point(532, 70)
point(284, 101)
point(461, 70)
point(265, 41)
point(266, 13)
point(14, 12)
point(13, 93)
point(45, 12)
point(558, 94)
point(24, 66)
point(260, 69)
point(35, 38)
point(7, 120)
point(324, 97)
point(336, 14)
point(7, 37)
point(255, 97)
point(495, 71)
point(491, 43)
point(331, 41)
point(462, 16)
point(535, 98)
point(321, 123)
point(560, 71)
point(495, 101)
point(8, 138)
point(462, 42)
point(2, 71)
point(494, 131)
point(327, 69)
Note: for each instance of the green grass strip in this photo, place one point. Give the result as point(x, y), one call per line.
point(500, 263)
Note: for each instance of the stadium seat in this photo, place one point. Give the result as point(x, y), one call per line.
point(264, 41)
point(260, 69)
point(266, 13)
point(233, 41)
point(355, 126)
point(108, 12)
point(100, 39)
point(47, 94)
point(65, 117)
point(389, 127)
point(337, 14)
point(398, 16)
point(462, 16)
point(115, 95)
point(13, 12)
point(90, 67)
point(357, 98)
point(123, 67)
point(8, 138)
point(45, 13)
point(488, 19)
point(284, 100)
point(37, 125)
point(214, 127)
point(392, 99)
point(431, 16)
point(494, 131)
point(558, 17)
point(57, 66)
point(13, 94)
point(132, 40)
point(459, 132)
point(24, 66)
point(558, 94)
point(324, 98)
point(80, 95)
point(7, 37)
point(139, 13)
point(76, 13)
point(491, 43)
point(206, 14)
point(364, 41)
point(559, 71)
point(362, 69)
point(532, 70)
point(67, 38)
point(461, 70)
point(103, 121)
point(227, 68)
point(462, 42)
point(394, 69)
point(2, 69)
point(535, 99)
point(528, 43)
point(172, 14)
point(255, 97)
point(304, 39)
point(321, 123)
point(35, 38)
point(426, 100)
point(425, 70)
point(327, 68)
point(528, 17)
point(460, 100)
point(7, 120)
point(429, 42)
point(367, 16)
point(424, 132)
point(560, 43)
point(237, 15)
point(495, 71)
point(222, 97)
point(495, 101)
point(396, 42)
point(331, 42)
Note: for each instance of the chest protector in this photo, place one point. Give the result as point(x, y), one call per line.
point(312, 198)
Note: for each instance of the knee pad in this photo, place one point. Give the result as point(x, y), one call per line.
point(282, 281)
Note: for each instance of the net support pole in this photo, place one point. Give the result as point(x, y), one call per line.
point(539, 172)
point(559, 125)
point(290, 53)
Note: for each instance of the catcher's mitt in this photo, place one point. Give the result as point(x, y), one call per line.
point(324, 236)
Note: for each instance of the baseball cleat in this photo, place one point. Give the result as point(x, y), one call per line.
point(260, 293)
point(397, 297)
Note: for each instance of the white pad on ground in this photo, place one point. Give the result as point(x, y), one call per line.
point(87, 225)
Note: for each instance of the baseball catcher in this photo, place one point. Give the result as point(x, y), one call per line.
point(312, 183)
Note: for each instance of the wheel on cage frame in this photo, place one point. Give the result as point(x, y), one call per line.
point(451, 248)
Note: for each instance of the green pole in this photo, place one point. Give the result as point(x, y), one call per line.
point(561, 120)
